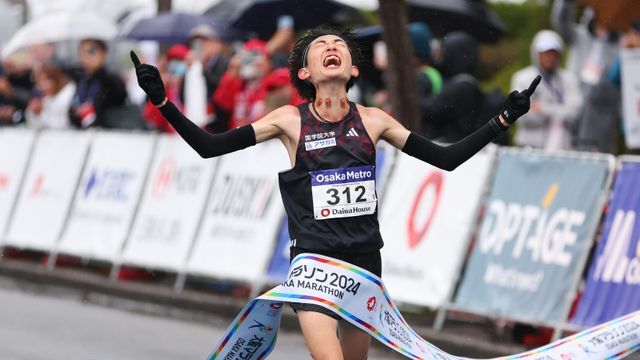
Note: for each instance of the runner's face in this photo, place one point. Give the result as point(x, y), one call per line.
point(328, 58)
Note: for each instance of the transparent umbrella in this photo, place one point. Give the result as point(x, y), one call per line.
point(61, 26)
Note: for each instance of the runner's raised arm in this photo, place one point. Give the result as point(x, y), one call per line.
point(205, 144)
point(448, 157)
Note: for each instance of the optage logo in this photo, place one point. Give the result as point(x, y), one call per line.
point(545, 233)
point(615, 264)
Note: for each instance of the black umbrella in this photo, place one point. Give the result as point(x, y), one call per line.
point(471, 16)
point(174, 27)
point(261, 16)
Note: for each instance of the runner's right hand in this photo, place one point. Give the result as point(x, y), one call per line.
point(149, 80)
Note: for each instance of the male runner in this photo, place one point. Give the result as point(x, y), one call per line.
point(325, 136)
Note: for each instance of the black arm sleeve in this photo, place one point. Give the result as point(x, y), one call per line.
point(451, 156)
point(205, 144)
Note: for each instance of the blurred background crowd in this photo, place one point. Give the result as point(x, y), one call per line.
point(65, 63)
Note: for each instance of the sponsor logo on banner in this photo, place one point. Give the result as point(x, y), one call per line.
point(159, 229)
point(614, 265)
point(184, 179)
point(243, 196)
point(38, 184)
point(532, 244)
point(4, 181)
point(164, 177)
point(431, 189)
point(107, 185)
point(535, 231)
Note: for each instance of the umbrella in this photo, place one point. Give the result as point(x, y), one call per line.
point(471, 16)
point(174, 27)
point(61, 26)
point(616, 14)
point(261, 16)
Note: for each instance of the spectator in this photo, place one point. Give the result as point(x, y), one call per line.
point(428, 78)
point(592, 46)
point(212, 52)
point(14, 96)
point(98, 91)
point(279, 91)
point(592, 52)
point(172, 67)
point(239, 100)
point(462, 107)
point(282, 42)
point(630, 40)
point(49, 109)
point(604, 135)
point(556, 105)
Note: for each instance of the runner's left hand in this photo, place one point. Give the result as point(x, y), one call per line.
point(518, 102)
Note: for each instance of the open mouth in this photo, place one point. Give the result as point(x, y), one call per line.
point(331, 61)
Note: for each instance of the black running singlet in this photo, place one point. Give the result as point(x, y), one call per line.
point(329, 195)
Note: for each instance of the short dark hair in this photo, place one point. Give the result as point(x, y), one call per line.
point(297, 59)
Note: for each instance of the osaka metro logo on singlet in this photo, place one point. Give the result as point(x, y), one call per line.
point(344, 192)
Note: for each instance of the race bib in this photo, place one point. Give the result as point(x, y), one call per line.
point(345, 192)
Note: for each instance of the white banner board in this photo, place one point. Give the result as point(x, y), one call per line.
point(169, 215)
point(107, 196)
point(243, 215)
point(426, 222)
point(15, 145)
point(631, 96)
point(48, 188)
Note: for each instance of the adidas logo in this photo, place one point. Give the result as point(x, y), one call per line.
point(352, 132)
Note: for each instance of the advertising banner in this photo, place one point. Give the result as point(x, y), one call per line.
point(171, 208)
point(631, 96)
point(107, 196)
point(15, 145)
point(613, 284)
point(279, 263)
point(537, 227)
point(48, 189)
point(242, 216)
point(426, 222)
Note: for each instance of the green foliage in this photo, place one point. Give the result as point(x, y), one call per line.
point(522, 22)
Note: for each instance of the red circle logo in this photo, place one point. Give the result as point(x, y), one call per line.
point(325, 212)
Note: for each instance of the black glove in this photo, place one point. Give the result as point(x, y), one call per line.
point(517, 103)
point(149, 80)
